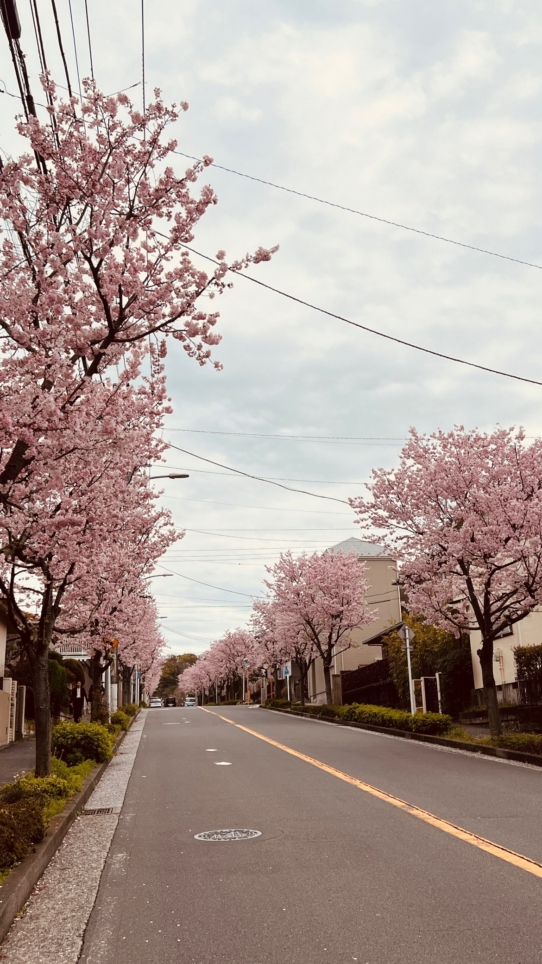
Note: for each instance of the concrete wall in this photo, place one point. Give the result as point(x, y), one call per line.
point(526, 633)
point(3, 639)
point(5, 703)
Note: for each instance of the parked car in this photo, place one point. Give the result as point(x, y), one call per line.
point(170, 701)
point(190, 701)
point(155, 701)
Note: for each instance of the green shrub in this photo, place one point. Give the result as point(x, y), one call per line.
point(114, 729)
point(130, 709)
point(230, 703)
point(120, 718)
point(524, 742)
point(143, 705)
point(40, 789)
point(433, 723)
point(76, 742)
point(21, 825)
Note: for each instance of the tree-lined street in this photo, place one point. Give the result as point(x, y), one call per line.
point(336, 874)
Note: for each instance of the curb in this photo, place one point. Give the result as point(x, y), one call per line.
point(495, 751)
point(20, 882)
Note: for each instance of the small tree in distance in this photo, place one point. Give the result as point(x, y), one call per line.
point(463, 514)
point(172, 669)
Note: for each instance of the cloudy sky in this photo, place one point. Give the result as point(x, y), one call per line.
point(419, 113)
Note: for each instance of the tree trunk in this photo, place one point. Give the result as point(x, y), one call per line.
point(327, 679)
point(99, 712)
point(42, 711)
point(485, 655)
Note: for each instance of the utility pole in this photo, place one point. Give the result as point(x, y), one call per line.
point(408, 636)
point(12, 26)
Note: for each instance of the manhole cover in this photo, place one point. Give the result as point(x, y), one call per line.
point(228, 835)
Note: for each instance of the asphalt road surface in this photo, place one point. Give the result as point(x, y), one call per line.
point(337, 874)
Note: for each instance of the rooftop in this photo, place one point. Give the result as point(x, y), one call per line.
point(360, 548)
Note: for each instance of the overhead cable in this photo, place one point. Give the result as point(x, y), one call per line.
point(364, 214)
point(89, 41)
point(75, 53)
point(209, 585)
point(372, 331)
point(293, 438)
point(258, 478)
point(61, 47)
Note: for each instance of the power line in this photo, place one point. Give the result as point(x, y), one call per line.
point(208, 584)
point(294, 438)
point(372, 331)
point(266, 508)
point(75, 53)
point(364, 214)
point(197, 639)
point(61, 47)
point(143, 56)
point(89, 41)
point(258, 478)
point(274, 478)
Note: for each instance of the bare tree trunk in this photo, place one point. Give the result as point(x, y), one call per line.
point(42, 695)
point(98, 710)
point(485, 655)
point(327, 679)
point(42, 712)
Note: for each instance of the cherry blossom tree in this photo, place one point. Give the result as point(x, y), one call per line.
point(463, 514)
point(79, 526)
point(276, 644)
point(94, 277)
point(321, 598)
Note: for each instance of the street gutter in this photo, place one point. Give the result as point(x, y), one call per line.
point(21, 880)
point(495, 751)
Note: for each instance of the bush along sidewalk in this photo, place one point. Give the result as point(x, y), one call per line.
point(29, 803)
point(431, 724)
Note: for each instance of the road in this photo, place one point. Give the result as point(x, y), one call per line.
point(337, 875)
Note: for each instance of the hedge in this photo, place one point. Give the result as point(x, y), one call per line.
point(432, 723)
point(21, 826)
point(120, 718)
point(75, 742)
point(27, 805)
point(130, 709)
point(523, 742)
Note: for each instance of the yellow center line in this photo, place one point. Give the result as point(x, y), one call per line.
point(496, 850)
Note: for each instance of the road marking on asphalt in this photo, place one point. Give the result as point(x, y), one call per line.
point(496, 850)
point(211, 751)
point(171, 724)
point(222, 763)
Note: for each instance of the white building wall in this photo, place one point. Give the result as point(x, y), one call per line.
point(526, 633)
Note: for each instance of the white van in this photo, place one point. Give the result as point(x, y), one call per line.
point(190, 701)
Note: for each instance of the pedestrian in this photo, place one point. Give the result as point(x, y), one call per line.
point(78, 699)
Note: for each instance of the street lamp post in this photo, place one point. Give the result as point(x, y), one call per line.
point(408, 636)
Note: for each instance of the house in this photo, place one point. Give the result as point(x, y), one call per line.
point(528, 632)
point(382, 597)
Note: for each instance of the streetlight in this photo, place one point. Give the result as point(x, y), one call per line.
point(172, 475)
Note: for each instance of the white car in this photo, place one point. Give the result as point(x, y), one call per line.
point(190, 701)
point(155, 701)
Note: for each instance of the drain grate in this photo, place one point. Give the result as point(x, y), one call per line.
point(99, 811)
point(225, 835)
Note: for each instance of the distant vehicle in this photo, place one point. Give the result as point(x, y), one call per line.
point(155, 701)
point(170, 701)
point(190, 701)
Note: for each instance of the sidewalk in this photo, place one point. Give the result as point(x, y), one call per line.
point(17, 758)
